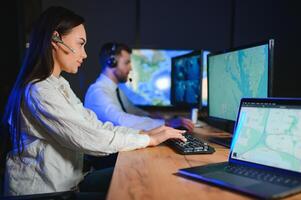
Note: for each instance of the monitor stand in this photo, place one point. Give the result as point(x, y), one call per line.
point(224, 141)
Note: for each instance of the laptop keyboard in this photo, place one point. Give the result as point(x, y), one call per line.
point(261, 175)
point(193, 145)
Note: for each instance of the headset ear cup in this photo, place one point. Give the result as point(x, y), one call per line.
point(112, 62)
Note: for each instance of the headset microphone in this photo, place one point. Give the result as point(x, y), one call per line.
point(57, 39)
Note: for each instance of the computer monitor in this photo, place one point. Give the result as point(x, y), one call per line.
point(236, 73)
point(151, 76)
point(205, 80)
point(186, 80)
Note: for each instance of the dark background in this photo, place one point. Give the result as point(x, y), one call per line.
point(167, 24)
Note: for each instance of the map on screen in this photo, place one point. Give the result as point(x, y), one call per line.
point(236, 74)
point(151, 76)
point(269, 136)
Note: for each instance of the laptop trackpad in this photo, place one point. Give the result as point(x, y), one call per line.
point(231, 179)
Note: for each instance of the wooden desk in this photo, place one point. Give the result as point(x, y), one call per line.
point(150, 174)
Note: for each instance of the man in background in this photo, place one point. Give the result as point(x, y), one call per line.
point(110, 104)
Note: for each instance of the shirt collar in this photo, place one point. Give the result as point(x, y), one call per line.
point(58, 81)
point(108, 82)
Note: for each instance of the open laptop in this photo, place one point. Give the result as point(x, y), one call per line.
point(265, 154)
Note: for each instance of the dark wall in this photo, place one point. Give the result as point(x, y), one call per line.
point(9, 50)
point(17, 18)
point(198, 24)
point(257, 20)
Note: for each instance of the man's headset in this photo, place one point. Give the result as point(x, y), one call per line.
point(57, 39)
point(111, 60)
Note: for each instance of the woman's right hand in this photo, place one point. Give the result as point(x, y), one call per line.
point(163, 133)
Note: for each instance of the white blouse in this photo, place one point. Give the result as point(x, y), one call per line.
point(57, 130)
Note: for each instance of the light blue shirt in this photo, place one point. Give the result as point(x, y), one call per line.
point(101, 97)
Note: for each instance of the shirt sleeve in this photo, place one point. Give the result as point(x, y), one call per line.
point(77, 128)
point(107, 108)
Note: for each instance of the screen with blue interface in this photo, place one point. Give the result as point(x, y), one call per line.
point(269, 135)
point(186, 79)
point(151, 76)
point(236, 74)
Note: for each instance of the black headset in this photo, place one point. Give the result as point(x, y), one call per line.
point(57, 39)
point(111, 60)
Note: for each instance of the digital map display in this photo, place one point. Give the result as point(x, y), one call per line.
point(269, 136)
point(236, 74)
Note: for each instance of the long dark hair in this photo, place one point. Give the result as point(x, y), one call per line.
point(37, 66)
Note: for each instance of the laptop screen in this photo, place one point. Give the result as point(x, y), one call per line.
point(268, 133)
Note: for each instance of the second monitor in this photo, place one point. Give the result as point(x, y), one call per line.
point(189, 80)
point(236, 73)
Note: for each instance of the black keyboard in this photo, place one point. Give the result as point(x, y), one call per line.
point(193, 145)
point(262, 175)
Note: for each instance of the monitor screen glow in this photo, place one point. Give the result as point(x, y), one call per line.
point(151, 76)
point(235, 74)
point(189, 79)
point(186, 80)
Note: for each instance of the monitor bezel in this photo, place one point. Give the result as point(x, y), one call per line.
point(227, 124)
point(172, 88)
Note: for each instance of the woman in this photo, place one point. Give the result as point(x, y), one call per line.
point(49, 127)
